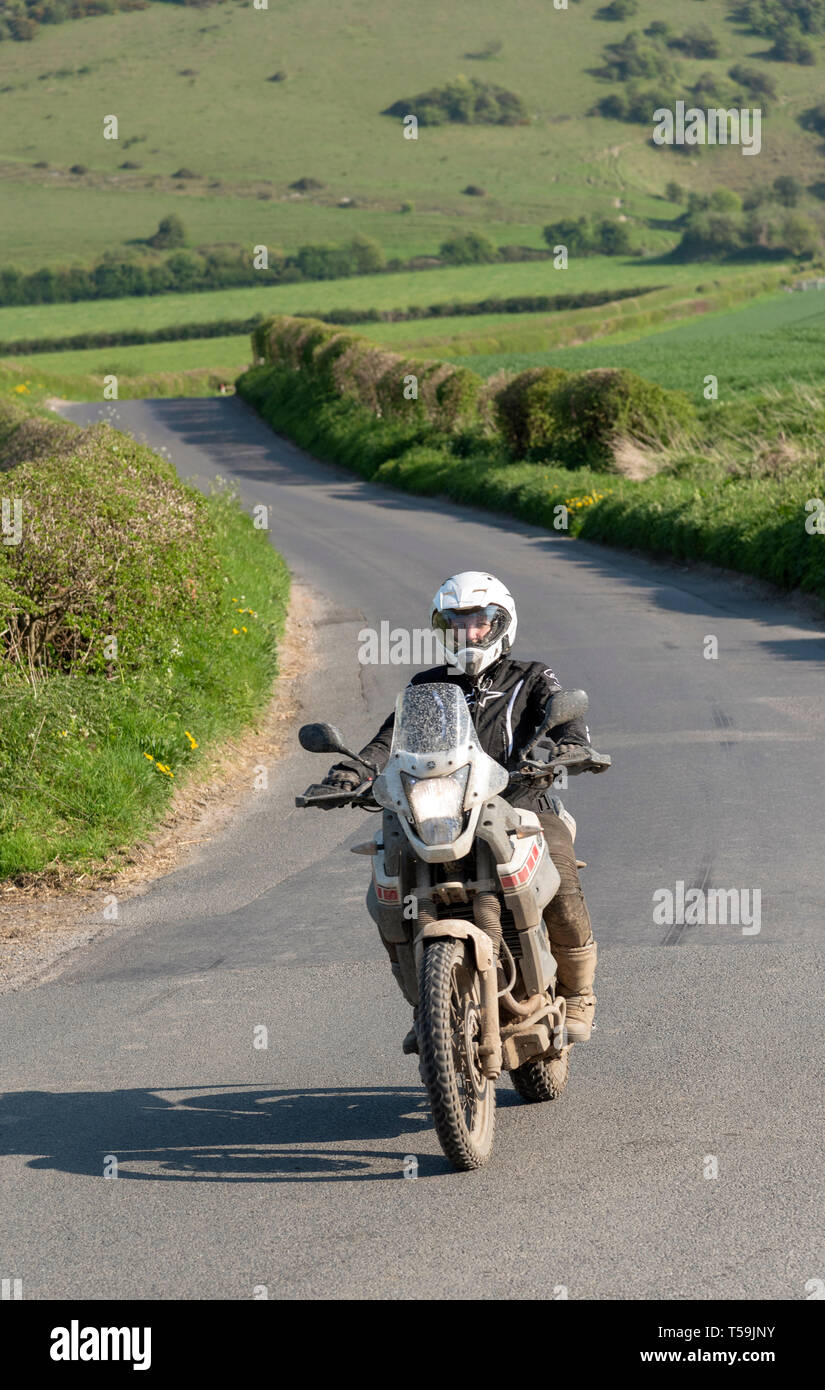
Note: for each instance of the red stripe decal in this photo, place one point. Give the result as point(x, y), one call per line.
point(521, 876)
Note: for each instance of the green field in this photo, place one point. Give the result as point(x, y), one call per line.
point(233, 354)
point(189, 87)
point(529, 338)
point(390, 291)
point(772, 341)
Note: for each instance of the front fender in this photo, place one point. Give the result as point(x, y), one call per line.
point(466, 931)
point(447, 927)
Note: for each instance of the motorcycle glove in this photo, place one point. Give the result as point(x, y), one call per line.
point(342, 779)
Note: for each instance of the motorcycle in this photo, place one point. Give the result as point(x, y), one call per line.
point(460, 878)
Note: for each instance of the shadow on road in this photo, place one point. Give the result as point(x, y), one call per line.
point(221, 1135)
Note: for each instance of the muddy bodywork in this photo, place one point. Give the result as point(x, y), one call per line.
point(412, 901)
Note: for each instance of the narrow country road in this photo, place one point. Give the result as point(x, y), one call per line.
point(241, 1167)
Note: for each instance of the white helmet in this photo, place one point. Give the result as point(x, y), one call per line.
point(473, 595)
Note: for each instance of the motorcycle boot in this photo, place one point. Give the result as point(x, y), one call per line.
point(576, 972)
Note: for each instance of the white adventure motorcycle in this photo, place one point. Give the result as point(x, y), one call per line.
point(460, 878)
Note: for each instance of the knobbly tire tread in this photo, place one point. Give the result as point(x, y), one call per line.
point(535, 1081)
point(437, 1068)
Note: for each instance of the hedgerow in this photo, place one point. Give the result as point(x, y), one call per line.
point(139, 624)
point(704, 504)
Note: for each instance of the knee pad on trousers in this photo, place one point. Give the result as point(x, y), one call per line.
point(568, 920)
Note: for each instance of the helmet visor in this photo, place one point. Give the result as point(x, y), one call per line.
point(471, 627)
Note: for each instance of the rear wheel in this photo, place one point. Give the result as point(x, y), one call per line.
point(462, 1098)
point(542, 1080)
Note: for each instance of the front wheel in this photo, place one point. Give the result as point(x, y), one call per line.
point(462, 1098)
point(539, 1080)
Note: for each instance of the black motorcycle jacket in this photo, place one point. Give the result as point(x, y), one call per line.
point(507, 704)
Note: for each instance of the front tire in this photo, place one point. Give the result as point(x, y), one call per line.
point(542, 1080)
point(462, 1098)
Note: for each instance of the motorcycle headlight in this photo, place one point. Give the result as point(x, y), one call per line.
point(437, 805)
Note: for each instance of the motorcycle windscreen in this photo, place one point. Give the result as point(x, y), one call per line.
point(433, 722)
point(432, 719)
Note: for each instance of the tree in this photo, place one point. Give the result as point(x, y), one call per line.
point(612, 238)
point(800, 235)
point(725, 200)
point(674, 192)
point(473, 248)
point(788, 190)
point(576, 236)
point(170, 234)
point(368, 256)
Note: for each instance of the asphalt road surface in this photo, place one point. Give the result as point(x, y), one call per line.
point(241, 1167)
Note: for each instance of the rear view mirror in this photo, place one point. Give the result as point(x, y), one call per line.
point(320, 738)
point(566, 705)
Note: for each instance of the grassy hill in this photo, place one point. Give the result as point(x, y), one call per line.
point(190, 87)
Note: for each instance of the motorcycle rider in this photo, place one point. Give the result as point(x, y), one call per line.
point(474, 617)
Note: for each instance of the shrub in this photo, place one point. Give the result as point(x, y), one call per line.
point(185, 173)
point(94, 559)
point(725, 200)
point(814, 118)
point(800, 235)
point(700, 42)
point(618, 10)
point(788, 190)
point(525, 412)
point(601, 407)
point(347, 365)
point(170, 234)
point(582, 237)
point(473, 190)
point(79, 169)
point(791, 47)
point(467, 101)
point(306, 185)
point(633, 57)
point(581, 418)
point(472, 248)
point(756, 81)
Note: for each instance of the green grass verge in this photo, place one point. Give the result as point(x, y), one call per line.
point(88, 758)
point(24, 379)
point(222, 357)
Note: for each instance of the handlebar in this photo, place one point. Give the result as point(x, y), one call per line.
point(584, 759)
point(321, 797)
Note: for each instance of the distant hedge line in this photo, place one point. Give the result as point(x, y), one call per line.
point(221, 328)
point(229, 267)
